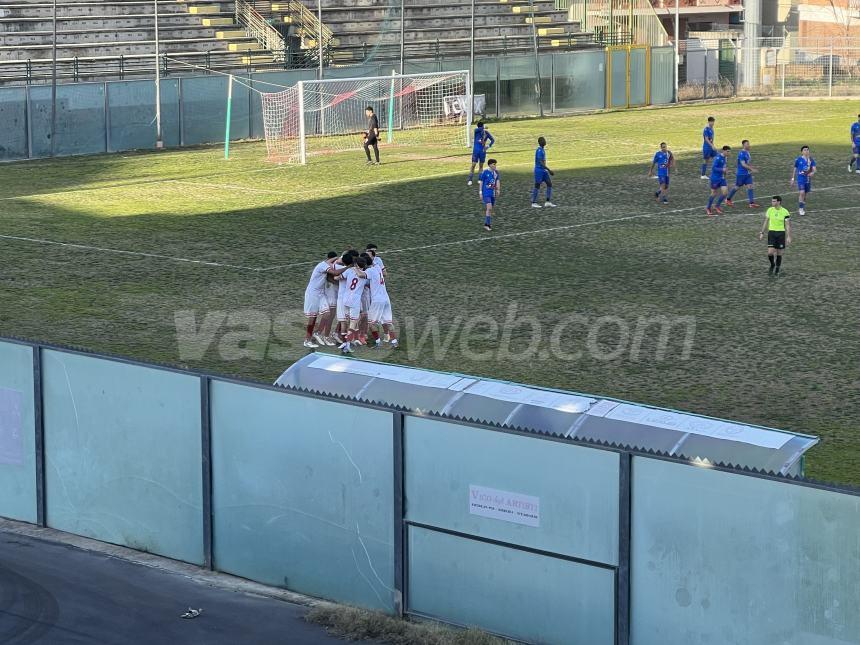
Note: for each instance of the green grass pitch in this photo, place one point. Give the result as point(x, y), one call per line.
point(555, 297)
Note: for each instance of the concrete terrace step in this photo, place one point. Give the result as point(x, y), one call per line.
point(23, 25)
point(436, 20)
point(108, 36)
point(114, 49)
point(45, 10)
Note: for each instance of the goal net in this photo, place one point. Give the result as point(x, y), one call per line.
point(313, 117)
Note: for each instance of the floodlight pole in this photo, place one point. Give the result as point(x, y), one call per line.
point(537, 58)
point(54, 82)
point(677, 46)
point(159, 142)
point(402, 34)
point(472, 55)
point(320, 35)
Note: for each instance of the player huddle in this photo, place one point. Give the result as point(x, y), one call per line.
point(348, 289)
point(490, 185)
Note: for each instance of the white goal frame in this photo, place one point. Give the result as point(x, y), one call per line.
point(298, 94)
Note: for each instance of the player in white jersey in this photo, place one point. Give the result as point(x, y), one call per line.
point(342, 318)
point(373, 250)
point(316, 302)
point(354, 279)
point(380, 306)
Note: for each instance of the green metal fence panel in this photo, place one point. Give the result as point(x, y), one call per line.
point(81, 127)
point(17, 433)
point(444, 483)
point(638, 76)
point(618, 81)
point(580, 80)
point(204, 110)
point(303, 494)
point(518, 84)
point(131, 114)
point(13, 117)
point(662, 75)
point(733, 559)
point(123, 454)
point(524, 595)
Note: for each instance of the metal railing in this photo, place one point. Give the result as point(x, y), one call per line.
point(634, 17)
point(260, 29)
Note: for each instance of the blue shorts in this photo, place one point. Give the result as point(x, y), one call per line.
point(708, 153)
point(479, 155)
point(542, 176)
point(744, 180)
point(804, 184)
point(856, 147)
point(663, 179)
point(488, 198)
point(718, 183)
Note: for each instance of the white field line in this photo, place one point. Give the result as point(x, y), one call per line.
point(384, 182)
point(85, 247)
point(473, 240)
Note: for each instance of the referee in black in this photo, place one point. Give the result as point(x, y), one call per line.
point(371, 137)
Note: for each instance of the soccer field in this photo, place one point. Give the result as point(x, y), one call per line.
point(184, 258)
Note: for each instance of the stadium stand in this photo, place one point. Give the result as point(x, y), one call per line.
point(115, 39)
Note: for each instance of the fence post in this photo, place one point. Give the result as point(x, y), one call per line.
point(400, 566)
point(498, 87)
point(830, 72)
point(206, 469)
point(782, 82)
point(622, 581)
point(705, 94)
point(39, 418)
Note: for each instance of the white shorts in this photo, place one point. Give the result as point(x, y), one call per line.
point(353, 313)
point(341, 310)
point(365, 300)
point(331, 297)
point(380, 311)
point(315, 303)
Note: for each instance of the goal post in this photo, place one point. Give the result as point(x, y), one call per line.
point(432, 110)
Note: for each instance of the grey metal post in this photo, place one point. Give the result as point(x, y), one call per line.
point(206, 462)
point(622, 580)
point(159, 141)
point(537, 58)
point(782, 69)
point(677, 44)
point(498, 87)
point(402, 35)
point(830, 72)
point(39, 418)
point(472, 53)
point(400, 565)
point(54, 82)
point(320, 35)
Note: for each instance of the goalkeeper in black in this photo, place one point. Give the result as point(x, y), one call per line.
point(371, 137)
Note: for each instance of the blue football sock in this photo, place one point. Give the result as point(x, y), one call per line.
point(732, 193)
point(720, 200)
point(751, 195)
point(803, 204)
point(549, 194)
point(534, 196)
point(710, 201)
point(704, 168)
point(487, 220)
point(471, 176)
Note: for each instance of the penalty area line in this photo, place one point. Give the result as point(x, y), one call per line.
point(157, 256)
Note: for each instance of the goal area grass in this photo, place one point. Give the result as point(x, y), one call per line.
point(184, 258)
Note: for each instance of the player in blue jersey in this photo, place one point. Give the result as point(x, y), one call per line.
point(542, 176)
point(490, 187)
point(664, 160)
point(719, 185)
point(709, 150)
point(804, 169)
point(481, 142)
point(855, 146)
point(744, 176)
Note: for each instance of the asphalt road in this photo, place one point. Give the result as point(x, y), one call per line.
point(56, 593)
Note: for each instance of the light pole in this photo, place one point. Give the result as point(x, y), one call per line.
point(537, 58)
point(472, 55)
point(159, 141)
point(677, 45)
point(320, 35)
point(54, 82)
point(402, 34)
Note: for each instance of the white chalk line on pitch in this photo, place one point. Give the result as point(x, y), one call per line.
point(157, 256)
